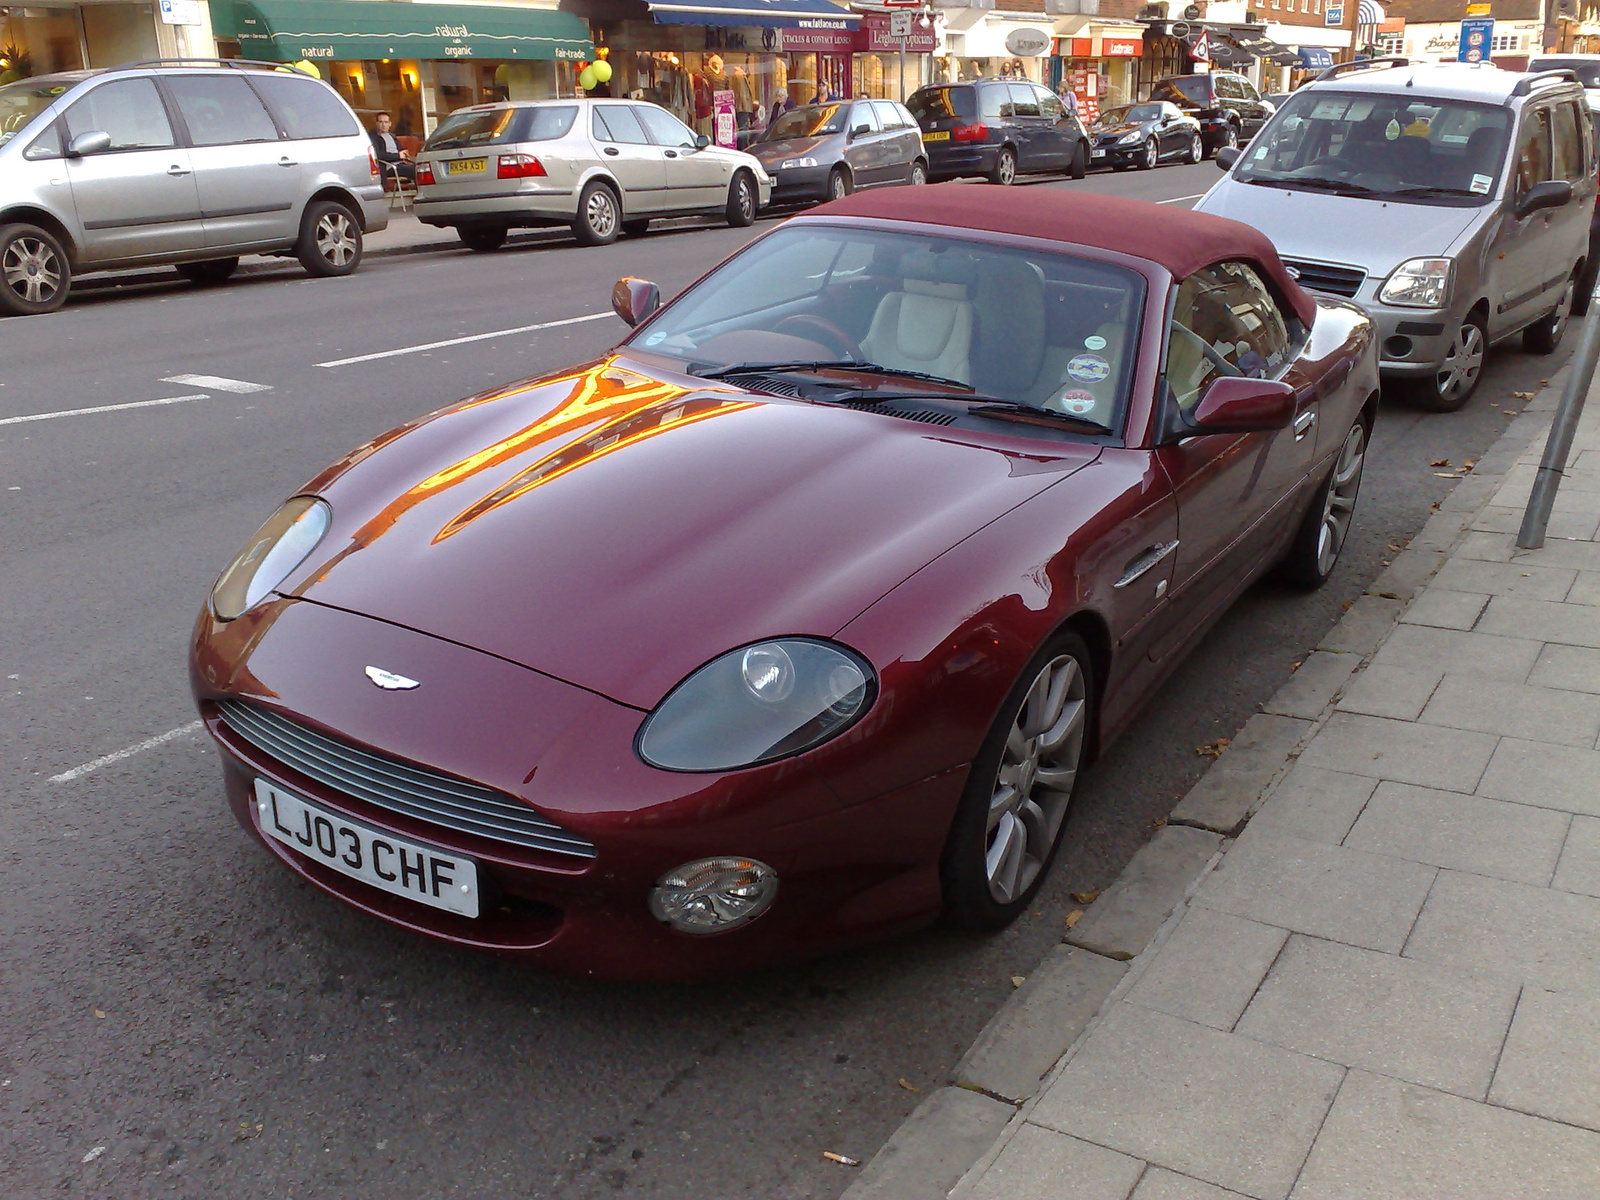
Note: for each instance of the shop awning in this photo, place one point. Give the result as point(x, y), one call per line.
point(1370, 12)
point(1225, 53)
point(1264, 48)
point(1316, 58)
point(763, 14)
point(291, 30)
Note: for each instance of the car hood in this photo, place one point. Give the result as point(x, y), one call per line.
point(617, 527)
point(1326, 228)
point(1125, 127)
point(771, 152)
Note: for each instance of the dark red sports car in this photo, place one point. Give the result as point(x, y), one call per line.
point(790, 622)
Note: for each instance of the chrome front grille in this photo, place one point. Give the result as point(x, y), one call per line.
point(397, 786)
point(1325, 277)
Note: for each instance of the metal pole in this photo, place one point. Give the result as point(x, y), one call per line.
point(902, 70)
point(1556, 447)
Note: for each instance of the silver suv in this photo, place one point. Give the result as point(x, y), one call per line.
point(191, 163)
point(1451, 201)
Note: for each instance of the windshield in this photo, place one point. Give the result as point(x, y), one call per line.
point(1187, 91)
point(497, 126)
point(1129, 114)
point(1586, 69)
point(1396, 147)
point(808, 122)
point(21, 102)
point(1049, 331)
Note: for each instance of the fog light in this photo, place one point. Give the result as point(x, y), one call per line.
point(710, 895)
point(1396, 347)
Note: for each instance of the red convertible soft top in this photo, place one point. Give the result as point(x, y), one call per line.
point(1176, 238)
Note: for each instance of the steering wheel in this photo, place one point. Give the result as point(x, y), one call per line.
point(833, 337)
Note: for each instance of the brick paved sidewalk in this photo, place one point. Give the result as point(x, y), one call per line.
point(1388, 988)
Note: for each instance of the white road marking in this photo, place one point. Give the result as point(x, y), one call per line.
point(128, 752)
point(104, 408)
point(475, 337)
point(218, 384)
point(1173, 200)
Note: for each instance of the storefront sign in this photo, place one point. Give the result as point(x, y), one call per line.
point(1333, 15)
point(723, 129)
point(181, 12)
point(817, 39)
point(875, 37)
point(900, 25)
point(1122, 47)
point(1027, 43)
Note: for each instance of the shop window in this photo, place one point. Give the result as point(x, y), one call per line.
point(304, 108)
point(130, 110)
point(221, 110)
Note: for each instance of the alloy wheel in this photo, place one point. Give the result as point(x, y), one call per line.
point(1038, 771)
point(32, 270)
point(838, 186)
point(919, 175)
point(1458, 373)
point(746, 200)
point(1339, 505)
point(1150, 154)
point(1006, 168)
point(336, 238)
point(601, 213)
point(1196, 150)
point(1563, 311)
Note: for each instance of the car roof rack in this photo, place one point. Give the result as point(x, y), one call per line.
point(238, 64)
point(1528, 82)
point(1362, 64)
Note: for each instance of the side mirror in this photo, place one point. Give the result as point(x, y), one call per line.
point(701, 142)
point(1239, 404)
point(860, 131)
point(1552, 193)
point(1227, 156)
point(635, 299)
point(95, 142)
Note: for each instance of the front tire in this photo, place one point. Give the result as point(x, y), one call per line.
point(34, 275)
point(599, 216)
point(1080, 160)
point(1452, 382)
point(1315, 550)
point(1544, 335)
point(1020, 789)
point(742, 203)
point(838, 183)
point(1149, 156)
point(330, 240)
point(1005, 167)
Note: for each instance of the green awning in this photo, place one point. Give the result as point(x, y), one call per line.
point(290, 30)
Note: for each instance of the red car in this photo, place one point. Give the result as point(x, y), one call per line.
point(790, 622)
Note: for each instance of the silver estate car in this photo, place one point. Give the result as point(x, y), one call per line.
point(1452, 201)
point(186, 162)
point(601, 166)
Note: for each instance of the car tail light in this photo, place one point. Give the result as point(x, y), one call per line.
point(372, 161)
point(970, 133)
point(520, 166)
point(424, 174)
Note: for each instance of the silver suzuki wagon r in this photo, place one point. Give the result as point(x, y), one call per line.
point(189, 163)
point(1451, 201)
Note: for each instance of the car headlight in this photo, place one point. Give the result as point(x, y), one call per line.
point(789, 163)
point(1419, 283)
point(1129, 139)
point(757, 703)
point(710, 895)
point(278, 547)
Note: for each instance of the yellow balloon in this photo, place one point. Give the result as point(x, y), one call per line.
point(587, 80)
point(502, 74)
point(602, 71)
point(307, 67)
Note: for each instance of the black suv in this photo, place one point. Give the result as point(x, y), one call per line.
point(1229, 108)
point(998, 128)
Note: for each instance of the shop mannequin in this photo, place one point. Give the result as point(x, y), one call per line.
point(744, 97)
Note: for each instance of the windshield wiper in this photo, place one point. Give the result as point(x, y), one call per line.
point(1430, 190)
point(1032, 414)
point(1313, 185)
point(840, 364)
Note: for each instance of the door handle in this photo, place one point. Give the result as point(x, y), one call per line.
point(611, 150)
point(672, 154)
point(1142, 562)
point(288, 162)
point(1303, 424)
point(175, 170)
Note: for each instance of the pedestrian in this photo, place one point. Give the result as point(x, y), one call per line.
point(391, 158)
point(780, 105)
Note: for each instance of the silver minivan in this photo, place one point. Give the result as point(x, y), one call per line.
point(188, 163)
point(1452, 201)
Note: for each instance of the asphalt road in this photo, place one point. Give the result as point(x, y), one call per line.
point(178, 1017)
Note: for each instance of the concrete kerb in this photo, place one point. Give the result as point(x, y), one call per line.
point(1034, 1035)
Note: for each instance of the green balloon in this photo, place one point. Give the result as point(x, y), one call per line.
point(602, 70)
point(587, 79)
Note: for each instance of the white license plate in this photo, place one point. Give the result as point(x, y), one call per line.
point(1097, 154)
point(391, 864)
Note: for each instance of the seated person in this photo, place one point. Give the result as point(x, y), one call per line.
point(391, 159)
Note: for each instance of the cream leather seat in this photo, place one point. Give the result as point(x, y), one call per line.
point(927, 326)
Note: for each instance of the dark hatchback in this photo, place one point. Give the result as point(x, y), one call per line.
point(827, 151)
point(1142, 135)
point(999, 129)
point(1228, 107)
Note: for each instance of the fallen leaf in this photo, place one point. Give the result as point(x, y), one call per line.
point(99, 1014)
point(1074, 917)
point(1295, 666)
point(1445, 475)
point(1018, 980)
point(1440, 462)
point(841, 1158)
point(910, 1087)
point(94, 1154)
point(1212, 750)
point(1084, 897)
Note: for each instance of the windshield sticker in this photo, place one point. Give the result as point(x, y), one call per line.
point(1480, 185)
point(1077, 403)
point(1328, 110)
point(1095, 342)
point(1391, 131)
point(655, 338)
point(1088, 368)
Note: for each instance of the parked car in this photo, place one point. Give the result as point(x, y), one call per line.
point(1228, 107)
point(793, 620)
point(1142, 135)
point(188, 163)
point(825, 151)
point(1587, 68)
point(1454, 202)
point(998, 129)
point(603, 167)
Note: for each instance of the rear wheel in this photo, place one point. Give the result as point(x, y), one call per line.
point(838, 183)
point(1196, 151)
point(34, 276)
point(1021, 785)
point(482, 238)
point(1315, 550)
point(1451, 383)
point(1080, 160)
point(212, 271)
point(1544, 335)
point(918, 174)
point(330, 240)
point(599, 216)
point(1005, 167)
point(1229, 140)
point(741, 201)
